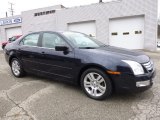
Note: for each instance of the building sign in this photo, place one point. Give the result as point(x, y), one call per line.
point(10, 21)
point(44, 13)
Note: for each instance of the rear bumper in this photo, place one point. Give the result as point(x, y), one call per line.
point(131, 83)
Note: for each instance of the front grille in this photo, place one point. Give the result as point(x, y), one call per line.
point(148, 66)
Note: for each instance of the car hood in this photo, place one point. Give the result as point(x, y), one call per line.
point(112, 53)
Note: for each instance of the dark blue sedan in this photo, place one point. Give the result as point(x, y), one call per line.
point(80, 59)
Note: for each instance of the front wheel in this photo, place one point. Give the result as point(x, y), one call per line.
point(16, 68)
point(96, 84)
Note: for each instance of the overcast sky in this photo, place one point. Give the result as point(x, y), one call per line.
point(23, 5)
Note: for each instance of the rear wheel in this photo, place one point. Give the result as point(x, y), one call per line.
point(96, 84)
point(16, 68)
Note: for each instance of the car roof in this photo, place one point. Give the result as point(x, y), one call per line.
point(55, 31)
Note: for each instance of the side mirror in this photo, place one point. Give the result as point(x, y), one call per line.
point(61, 48)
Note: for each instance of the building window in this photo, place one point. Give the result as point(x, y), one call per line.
point(114, 33)
point(138, 32)
point(52, 11)
point(44, 13)
point(47, 12)
point(35, 14)
point(126, 33)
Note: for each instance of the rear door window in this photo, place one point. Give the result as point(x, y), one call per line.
point(30, 40)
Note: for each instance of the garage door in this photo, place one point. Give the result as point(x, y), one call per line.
point(10, 32)
point(88, 28)
point(127, 32)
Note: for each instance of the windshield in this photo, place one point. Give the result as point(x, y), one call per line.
point(82, 41)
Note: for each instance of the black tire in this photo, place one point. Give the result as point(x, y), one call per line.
point(21, 71)
point(106, 80)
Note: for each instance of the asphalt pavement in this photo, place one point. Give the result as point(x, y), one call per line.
point(37, 98)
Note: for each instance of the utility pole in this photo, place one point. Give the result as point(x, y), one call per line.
point(11, 9)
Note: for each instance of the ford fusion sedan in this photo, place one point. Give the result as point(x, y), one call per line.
point(75, 57)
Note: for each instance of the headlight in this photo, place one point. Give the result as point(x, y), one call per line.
point(135, 66)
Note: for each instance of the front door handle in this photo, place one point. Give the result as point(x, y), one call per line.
point(43, 53)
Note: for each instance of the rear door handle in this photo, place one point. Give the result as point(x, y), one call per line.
point(43, 52)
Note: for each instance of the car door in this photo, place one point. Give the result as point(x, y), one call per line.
point(54, 62)
point(29, 51)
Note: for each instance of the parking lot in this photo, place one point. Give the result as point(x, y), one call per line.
point(37, 98)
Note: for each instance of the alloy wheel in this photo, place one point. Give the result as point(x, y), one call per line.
point(94, 84)
point(16, 67)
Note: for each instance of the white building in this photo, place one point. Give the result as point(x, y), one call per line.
point(128, 24)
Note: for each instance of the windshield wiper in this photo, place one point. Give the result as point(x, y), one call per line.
point(104, 45)
point(87, 47)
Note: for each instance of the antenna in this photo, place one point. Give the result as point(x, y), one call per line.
point(11, 8)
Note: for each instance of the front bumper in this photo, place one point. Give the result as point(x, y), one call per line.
point(131, 83)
